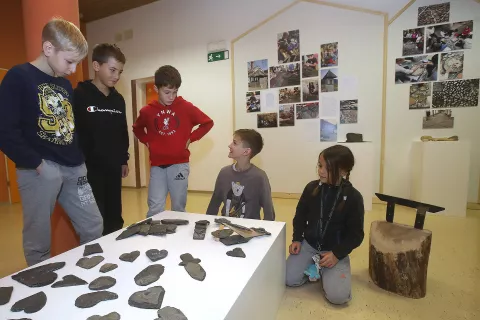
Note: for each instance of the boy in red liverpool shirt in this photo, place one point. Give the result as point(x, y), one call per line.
point(169, 123)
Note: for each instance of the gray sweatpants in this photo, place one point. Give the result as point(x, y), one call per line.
point(336, 281)
point(173, 179)
point(39, 193)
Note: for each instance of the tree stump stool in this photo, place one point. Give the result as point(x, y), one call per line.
point(398, 253)
point(399, 258)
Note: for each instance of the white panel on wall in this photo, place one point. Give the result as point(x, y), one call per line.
point(290, 154)
point(404, 126)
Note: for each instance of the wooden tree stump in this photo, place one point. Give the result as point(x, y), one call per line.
point(398, 259)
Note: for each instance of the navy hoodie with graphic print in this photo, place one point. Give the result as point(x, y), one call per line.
point(101, 125)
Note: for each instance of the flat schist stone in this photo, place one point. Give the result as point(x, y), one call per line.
point(130, 257)
point(155, 254)
point(127, 233)
point(151, 298)
point(261, 231)
point(195, 271)
point(170, 313)
point(144, 229)
point(186, 258)
point(102, 283)
point(232, 240)
point(69, 281)
point(177, 222)
point(39, 276)
point(110, 316)
point(91, 299)
point(5, 295)
point(149, 275)
point(237, 253)
point(31, 304)
point(146, 221)
point(202, 223)
point(222, 233)
point(92, 249)
point(107, 267)
point(158, 230)
point(89, 263)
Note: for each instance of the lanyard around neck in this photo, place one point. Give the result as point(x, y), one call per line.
point(322, 230)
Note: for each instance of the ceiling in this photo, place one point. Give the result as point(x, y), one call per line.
point(91, 10)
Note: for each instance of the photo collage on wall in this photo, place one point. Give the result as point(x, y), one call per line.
point(432, 63)
point(300, 80)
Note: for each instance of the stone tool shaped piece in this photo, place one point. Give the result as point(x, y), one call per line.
point(110, 316)
point(233, 240)
point(130, 257)
point(178, 222)
point(186, 258)
point(92, 249)
point(149, 275)
point(170, 313)
point(102, 283)
point(200, 229)
point(237, 252)
point(89, 263)
point(69, 281)
point(127, 233)
point(222, 233)
point(5, 295)
point(31, 304)
point(155, 254)
point(91, 299)
point(107, 267)
point(195, 271)
point(151, 298)
point(39, 276)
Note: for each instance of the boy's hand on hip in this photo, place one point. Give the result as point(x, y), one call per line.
point(125, 170)
point(328, 260)
point(295, 247)
point(39, 168)
point(188, 143)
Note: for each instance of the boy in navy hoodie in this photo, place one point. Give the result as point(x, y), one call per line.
point(169, 123)
point(103, 133)
point(37, 131)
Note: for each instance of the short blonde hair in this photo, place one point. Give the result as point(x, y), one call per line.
point(65, 36)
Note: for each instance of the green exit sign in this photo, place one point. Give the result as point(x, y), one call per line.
point(217, 56)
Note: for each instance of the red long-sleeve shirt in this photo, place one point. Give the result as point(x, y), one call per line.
point(168, 130)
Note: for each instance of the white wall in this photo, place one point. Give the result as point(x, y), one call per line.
point(404, 126)
point(177, 32)
point(360, 42)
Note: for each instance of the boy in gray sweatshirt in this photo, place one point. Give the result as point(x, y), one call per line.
point(243, 187)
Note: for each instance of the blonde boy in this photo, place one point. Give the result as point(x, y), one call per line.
point(37, 131)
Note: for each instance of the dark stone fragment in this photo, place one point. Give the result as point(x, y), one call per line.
point(154, 222)
point(131, 231)
point(202, 222)
point(237, 252)
point(91, 299)
point(171, 228)
point(137, 224)
point(110, 316)
point(200, 229)
point(186, 258)
point(222, 233)
point(5, 295)
point(149, 275)
point(144, 229)
point(21, 319)
point(195, 271)
point(92, 249)
point(155, 255)
point(69, 281)
point(222, 221)
point(31, 304)
point(108, 267)
point(89, 263)
point(39, 276)
point(158, 230)
point(102, 283)
point(232, 240)
point(170, 313)
point(151, 298)
point(178, 222)
point(130, 257)
point(261, 231)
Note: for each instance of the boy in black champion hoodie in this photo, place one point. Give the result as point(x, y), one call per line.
point(103, 134)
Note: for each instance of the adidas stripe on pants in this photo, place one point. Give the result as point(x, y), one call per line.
point(173, 180)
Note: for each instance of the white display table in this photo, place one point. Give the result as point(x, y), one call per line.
point(234, 288)
point(440, 175)
point(362, 176)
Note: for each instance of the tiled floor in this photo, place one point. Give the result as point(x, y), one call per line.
point(453, 288)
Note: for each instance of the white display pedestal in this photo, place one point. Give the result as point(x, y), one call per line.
point(362, 175)
point(440, 172)
point(234, 288)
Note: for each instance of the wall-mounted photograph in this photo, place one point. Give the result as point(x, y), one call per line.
point(420, 96)
point(288, 46)
point(257, 74)
point(329, 81)
point(307, 111)
point(328, 130)
point(310, 90)
point(416, 69)
point(329, 55)
point(253, 101)
point(448, 37)
point(285, 75)
point(413, 41)
point(289, 95)
point(451, 66)
point(438, 119)
point(348, 111)
point(286, 115)
point(267, 120)
point(455, 94)
point(310, 65)
point(432, 14)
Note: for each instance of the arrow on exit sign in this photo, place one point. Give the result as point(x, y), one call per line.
point(217, 56)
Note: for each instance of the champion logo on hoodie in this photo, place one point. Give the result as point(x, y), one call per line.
point(95, 109)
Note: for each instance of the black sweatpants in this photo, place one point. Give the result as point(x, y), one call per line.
point(106, 183)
